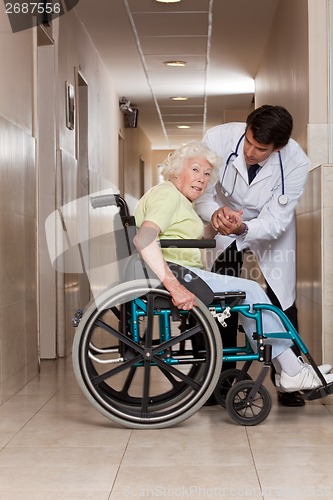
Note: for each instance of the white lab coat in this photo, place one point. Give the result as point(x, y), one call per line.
point(271, 235)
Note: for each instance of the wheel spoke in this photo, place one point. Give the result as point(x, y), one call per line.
point(171, 368)
point(128, 381)
point(146, 386)
point(120, 336)
point(115, 371)
point(179, 338)
point(169, 376)
point(148, 340)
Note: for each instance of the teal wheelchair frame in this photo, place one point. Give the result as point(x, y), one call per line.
point(143, 363)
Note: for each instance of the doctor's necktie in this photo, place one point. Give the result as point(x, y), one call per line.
point(252, 172)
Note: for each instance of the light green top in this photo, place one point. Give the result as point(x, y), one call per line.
point(174, 214)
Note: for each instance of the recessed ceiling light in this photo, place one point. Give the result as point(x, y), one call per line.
point(179, 98)
point(175, 63)
point(183, 126)
point(168, 1)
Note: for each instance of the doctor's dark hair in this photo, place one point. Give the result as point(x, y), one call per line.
point(270, 125)
point(174, 163)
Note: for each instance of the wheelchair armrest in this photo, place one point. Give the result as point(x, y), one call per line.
point(165, 243)
point(229, 295)
point(229, 298)
point(192, 282)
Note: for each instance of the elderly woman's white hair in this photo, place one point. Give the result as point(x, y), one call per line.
point(175, 160)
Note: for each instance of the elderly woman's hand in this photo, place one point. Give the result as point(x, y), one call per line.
point(181, 297)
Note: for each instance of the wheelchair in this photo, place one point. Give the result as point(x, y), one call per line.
point(145, 364)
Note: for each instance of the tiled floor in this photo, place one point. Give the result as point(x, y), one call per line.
point(55, 445)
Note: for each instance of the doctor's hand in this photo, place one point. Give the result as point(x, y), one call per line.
point(227, 221)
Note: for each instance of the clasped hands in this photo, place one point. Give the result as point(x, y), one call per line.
point(226, 221)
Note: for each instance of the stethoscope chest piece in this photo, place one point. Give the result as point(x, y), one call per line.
point(283, 199)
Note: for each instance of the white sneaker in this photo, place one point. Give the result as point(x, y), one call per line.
point(305, 380)
point(325, 369)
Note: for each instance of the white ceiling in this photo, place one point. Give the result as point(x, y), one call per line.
point(222, 42)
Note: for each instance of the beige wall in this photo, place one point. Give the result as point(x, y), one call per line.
point(158, 157)
point(283, 75)
point(75, 52)
point(138, 165)
point(18, 283)
point(38, 161)
point(318, 131)
point(294, 73)
point(314, 263)
point(16, 82)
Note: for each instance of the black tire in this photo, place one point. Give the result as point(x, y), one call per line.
point(142, 380)
point(227, 379)
point(245, 411)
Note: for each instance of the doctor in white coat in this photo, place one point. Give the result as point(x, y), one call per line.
point(252, 206)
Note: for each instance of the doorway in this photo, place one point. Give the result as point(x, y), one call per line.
point(142, 176)
point(121, 166)
point(82, 157)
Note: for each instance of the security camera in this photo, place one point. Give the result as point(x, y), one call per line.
point(125, 105)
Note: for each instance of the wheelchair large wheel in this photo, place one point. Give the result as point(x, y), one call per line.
point(247, 409)
point(141, 365)
point(226, 380)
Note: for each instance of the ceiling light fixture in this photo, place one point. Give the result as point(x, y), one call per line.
point(183, 126)
point(179, 98)
point(175, 63)
point(168, 1)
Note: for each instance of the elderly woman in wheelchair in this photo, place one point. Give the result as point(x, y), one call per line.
point(165, 357)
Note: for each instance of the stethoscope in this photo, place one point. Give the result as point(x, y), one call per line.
point(282, 199)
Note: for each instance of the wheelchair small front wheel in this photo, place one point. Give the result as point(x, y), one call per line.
point(227, 379)
point(245, 408)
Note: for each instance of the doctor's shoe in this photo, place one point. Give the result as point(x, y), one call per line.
point(211, 401)
point(305, 380)
point(292, 399)
point(325, 369)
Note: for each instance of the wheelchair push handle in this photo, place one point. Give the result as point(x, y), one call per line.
point(107, 200)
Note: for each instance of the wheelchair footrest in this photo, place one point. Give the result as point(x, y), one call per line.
point(320, 392)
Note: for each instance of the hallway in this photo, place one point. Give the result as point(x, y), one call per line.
point(55, 445)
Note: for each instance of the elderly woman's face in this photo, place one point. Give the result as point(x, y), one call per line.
point(193, 178)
